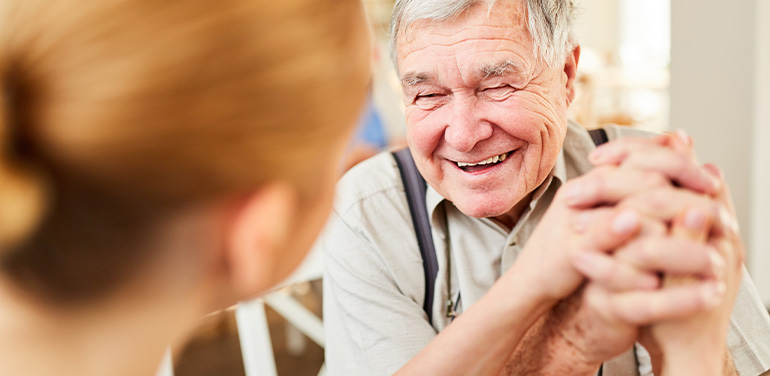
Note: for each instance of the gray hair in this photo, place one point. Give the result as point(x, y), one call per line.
point(550, 22)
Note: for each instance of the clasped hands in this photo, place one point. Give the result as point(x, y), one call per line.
point(653, 255)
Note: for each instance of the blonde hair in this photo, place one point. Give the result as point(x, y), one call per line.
point(116, 113)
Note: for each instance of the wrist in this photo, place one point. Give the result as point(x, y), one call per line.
point(695, 361)
point(523, 293)
point(536, 291)
point(544, 352)
point(568, 340)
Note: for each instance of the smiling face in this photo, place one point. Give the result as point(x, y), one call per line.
point(485, 118)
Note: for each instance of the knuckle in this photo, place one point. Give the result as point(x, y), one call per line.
point(740, 255)
point(603, 170)
point(681, 164)
point(719, 212)
point(600, 186)
point(656, 228)
point(636, 314)
point(658, 199)
point(614, 308)
point(706, 260)
point(740, 258)
point(605, 275)
point(698, 302)
point(593, 299)
point(654, 179)
point(572, 182)
point(602, 175)
point(651, 310)
point(646, 254)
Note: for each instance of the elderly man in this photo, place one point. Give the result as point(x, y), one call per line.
point(546, 265)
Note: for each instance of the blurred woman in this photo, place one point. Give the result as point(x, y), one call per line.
point(159, 160)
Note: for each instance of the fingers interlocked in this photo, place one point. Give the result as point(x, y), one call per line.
point(682, 211)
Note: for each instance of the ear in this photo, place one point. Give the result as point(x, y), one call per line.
point(570, 70)
point(256, 236)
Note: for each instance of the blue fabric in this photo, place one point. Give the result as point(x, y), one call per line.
point(370, 128)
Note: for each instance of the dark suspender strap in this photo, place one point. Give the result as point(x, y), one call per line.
point(415, 188)
point(599, 136)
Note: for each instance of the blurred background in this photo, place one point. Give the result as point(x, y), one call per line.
point(661, 65)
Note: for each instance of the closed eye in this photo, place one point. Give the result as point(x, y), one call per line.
point(429, 101)
point(498, 93)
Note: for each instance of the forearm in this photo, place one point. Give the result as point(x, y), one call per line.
point(545, 351)
point(699, 364)
point(480, 340)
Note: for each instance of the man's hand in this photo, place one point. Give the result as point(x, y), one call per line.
point(560, 234)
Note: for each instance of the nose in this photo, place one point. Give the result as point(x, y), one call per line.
point(466, 127)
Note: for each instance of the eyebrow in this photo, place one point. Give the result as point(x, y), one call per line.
point(414, 79)
point(492, 70)
point(500, 69)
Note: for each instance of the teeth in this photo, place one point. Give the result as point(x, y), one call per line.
point(495, 159)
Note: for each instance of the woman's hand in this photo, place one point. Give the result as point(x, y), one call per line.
point(697, 344)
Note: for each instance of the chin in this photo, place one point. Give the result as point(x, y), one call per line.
point(489, 205)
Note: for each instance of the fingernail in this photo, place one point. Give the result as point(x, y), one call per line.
point(625, 222)
point(684, 137)
point(729, 222)
point(694, 219)
point(717, 263)
point(716, 183)
point(714, 170)
point(713, 292)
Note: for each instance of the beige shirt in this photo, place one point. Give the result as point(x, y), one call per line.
point(374, 283)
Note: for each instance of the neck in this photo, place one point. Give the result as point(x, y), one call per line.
point(127, 332)
point(121, 336)
point(510, 218)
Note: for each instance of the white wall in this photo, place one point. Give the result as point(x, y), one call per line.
point(760, 240)
point(597, 25)
point(715, 68)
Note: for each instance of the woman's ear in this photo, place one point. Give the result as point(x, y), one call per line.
point(570, 70)
point(257, 235)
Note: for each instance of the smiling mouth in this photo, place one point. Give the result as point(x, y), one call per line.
point(478, 166)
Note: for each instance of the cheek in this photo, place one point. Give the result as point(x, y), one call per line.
point(310, 220)
point(532, 118)
point(313, 211)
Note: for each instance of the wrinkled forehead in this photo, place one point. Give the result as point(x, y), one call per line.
point(481, 31)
